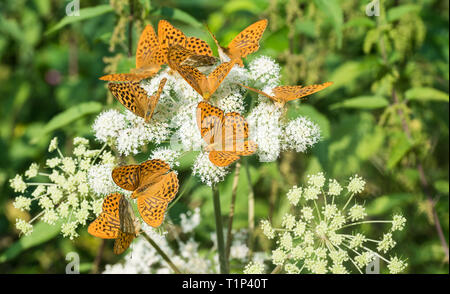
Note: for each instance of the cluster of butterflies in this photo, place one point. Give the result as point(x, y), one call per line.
point(226, 135)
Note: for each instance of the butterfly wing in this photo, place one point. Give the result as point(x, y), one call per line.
point(210, 122)
point(122, 242)
point(107, 224)
point(126, 177)
point(132, 96)
point(147, 45)
point(288, 93)
point(247, 41)
point(153, 203)
point(198, 46)
point(216, 78)
point(169, 36)
point(153, 101)
point(150, 173)
point(222, 158)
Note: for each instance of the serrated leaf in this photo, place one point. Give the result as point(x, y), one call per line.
point(42, 232)
point(85, 13)
point(68, 116)
point(362, 102)
point(426, 94)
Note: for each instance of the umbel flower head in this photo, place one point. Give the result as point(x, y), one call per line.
point(74, 189)
point(321, 234)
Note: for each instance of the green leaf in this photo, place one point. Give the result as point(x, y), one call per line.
point(333, 11)
point(42, 232)
point(387, 203)
point(400, 147)
point(426, 94)
point(179, 15)
point(396, 13)
point(362, 102)
point(441, 186)
point(68, 116)
point(359, 22)
point(85, 13)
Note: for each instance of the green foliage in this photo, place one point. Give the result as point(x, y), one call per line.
point(385, 115)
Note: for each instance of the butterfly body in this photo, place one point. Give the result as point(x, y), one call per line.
point(245, 43)
point(153, 185)
point(205, 85)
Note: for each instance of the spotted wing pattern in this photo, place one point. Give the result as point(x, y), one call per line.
point(204, 85)
point(147, 46)
point(122, 242)
point(153, 203)
point(131, 95)
point(288, 93)
point(126, 177)
point(107, 224)
point(226, 135)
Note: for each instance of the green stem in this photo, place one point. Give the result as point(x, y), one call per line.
point(251, 210)
point(219, 231)
point(162, 253)
point(231, 214)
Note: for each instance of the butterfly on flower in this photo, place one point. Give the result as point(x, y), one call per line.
point(135, 99)
point(152, 183)
point(116, 221)
point(151, 52)
point(204, 85)
point(226, 135)
point(283, 94)
point(245, 43)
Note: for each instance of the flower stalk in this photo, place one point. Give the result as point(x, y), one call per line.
point(219, 231)
point(162, 253)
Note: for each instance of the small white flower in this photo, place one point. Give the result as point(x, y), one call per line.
point(208, 173)
point(24, 227)
point(108, 124)
point(267, 229)
point(53, 144)
point(398, 224)
point(18, 184)
point(100, 179)
point(278, 256)
point(294, 195)
point(32, 170)
point(288, 221)
point(171, 157)
point(356, 184)
point(334, 188)
point(256, 267)
point(316, 180)
point(265, 71)
point(386, 243)
point(357, 212)
point(396, 265)
point(53, 162)
point(69, 230)
point(22, 203)
point(300, 134)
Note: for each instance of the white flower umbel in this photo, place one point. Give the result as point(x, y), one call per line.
point(265, 130)
point(171, 157)
point(264, 72)
point(300, 134)
point(108, 125)
point(208, 173)
point(319, 234)
point(74, 188)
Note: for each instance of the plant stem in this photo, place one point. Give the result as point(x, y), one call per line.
point(130, 28)
point(98, 258)
point(231, 214)
point(251, 210)
point(163, 255)
point(219, 231)
point(277, 269)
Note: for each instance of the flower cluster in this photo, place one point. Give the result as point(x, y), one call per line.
point(315, 237)
point(72, 192)
point(174, 121)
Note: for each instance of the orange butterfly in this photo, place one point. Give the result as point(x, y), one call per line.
point(244, 43)
point(152, 183)
point(116, 221)
point(284, 94)
point(135, 99)
point(225, 134)
point(204, 85)
point(152, 51)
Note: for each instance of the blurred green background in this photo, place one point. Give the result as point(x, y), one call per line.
point(386, 117)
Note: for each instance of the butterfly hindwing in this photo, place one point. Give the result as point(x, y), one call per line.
point(288, 93)
point(126, 177)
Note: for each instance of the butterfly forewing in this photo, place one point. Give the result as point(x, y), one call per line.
point(107, 224)
point(198, 46)
point(122, 242)
point(147, 45)
point(288, 93)
point(132, 96)
point(126, 177)
point(247, 41)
